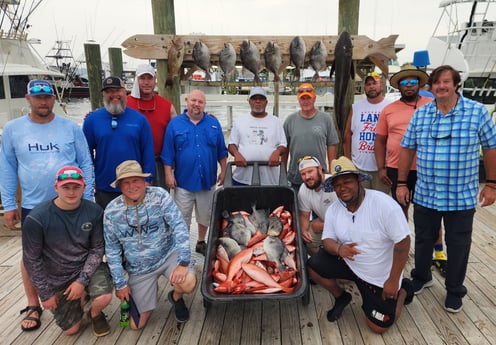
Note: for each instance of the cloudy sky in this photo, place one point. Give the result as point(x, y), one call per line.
point(110, 22)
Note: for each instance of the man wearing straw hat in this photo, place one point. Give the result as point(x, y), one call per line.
point(366, 239)
point(391, 127)
point(145, 226)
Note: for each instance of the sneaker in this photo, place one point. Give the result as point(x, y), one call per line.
point(419, 286)
point(453, 303)
point(339, 305)
point(180, 309)
point(99, 324)
point(407, 285)
point(201, 247)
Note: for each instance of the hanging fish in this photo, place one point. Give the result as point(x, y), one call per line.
point(174, 60)
point(250, 58)
point(344, 70)
point(273, 59)
point(227, 60)
point(201, 58)
point(297, 51)
point(318, 56)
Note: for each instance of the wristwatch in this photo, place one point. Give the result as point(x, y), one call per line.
point(184, 263)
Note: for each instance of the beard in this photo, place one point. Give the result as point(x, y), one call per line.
point(316, 183)
point(113, 108)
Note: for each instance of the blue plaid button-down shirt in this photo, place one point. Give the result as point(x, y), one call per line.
point(448, 148)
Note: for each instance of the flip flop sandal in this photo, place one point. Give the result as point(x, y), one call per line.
point(29, 310)
point(441, 266)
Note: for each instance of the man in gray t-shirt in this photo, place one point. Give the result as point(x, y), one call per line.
point(309, 132)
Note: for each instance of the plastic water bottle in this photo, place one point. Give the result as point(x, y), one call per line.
point(125, 307)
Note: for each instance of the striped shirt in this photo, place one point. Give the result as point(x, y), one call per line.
point(448, 149)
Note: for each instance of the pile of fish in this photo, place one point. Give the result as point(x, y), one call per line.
point(255, 253)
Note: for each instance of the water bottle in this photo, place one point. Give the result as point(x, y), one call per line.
point(125, 307)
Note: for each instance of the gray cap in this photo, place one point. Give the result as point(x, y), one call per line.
point(257, 90)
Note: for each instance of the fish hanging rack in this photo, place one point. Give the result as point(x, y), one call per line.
point(144, 46)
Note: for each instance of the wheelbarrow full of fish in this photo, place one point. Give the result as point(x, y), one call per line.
point(254, 248)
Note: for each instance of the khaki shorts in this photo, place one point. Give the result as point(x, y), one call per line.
point(68, 313)
point(144, 287)
point(376, 182)
point(201, 201)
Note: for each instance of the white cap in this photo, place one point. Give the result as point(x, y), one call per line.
point(140, 70)
point(257, 90)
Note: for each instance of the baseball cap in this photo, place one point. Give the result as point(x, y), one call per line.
point(307, 162)
point(145, 69)
point(373, 75)
point(306, 89)
point(37, 87)
point(112, 83)
point(69, 174)
point(257, 90)
point(126, 169)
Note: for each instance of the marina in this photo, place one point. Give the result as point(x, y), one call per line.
point(271, 322)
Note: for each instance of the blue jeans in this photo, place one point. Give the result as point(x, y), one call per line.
point(458, 227)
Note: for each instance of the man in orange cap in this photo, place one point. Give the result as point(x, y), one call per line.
point(309, 132)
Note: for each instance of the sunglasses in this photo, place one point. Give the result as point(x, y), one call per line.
point(441, 128)
point(305, 89)
point(40, 88)
point(114, 122)
point(72, 176)
point(373, 74)
point(412, 82)
point(307, 158)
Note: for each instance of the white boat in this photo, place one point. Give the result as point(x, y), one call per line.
point(465, 37)
point(74, 83)
point(19, 62)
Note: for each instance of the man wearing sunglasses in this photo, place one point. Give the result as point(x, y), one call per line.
point(447, 135)
point(392, 124)
point(157, 109)
point(308, 132)
point(63, 248)
point(116, 133)
point(34, 147)
point(359, 133)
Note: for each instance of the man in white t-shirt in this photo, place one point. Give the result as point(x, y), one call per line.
point(359, 134)
point(366, 239)
point(313, 202)
point(257, 136)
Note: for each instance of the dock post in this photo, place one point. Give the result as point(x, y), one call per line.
point(115, 58)
point(164, 23)
point(95, 74)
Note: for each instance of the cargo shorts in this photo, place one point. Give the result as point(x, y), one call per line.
point(68, 313)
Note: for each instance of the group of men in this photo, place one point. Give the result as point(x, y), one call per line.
point(55, 163)
point(352, 229)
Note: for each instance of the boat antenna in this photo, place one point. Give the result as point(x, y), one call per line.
point(471, 20)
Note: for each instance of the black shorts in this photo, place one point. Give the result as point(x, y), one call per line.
point(378, 311)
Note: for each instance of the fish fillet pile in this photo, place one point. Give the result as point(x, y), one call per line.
point(255, 253)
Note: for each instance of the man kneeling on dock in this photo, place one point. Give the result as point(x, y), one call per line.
point(366, 239)
point(144, 226)
point(63, 247)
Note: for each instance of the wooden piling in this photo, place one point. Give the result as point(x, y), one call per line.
point(115, 60)
point(95, 73)
point(164, 23)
